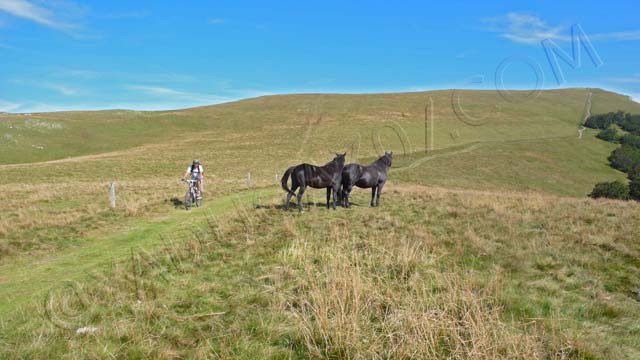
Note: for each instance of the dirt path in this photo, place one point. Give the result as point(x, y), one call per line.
point(472, 147)
point(587, 114)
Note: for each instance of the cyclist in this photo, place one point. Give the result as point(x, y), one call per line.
point(197, 173)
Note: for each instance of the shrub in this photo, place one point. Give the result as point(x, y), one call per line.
point(634, 189)
point(600, 121)
point(634, 183)
point(610, 135)
point(611, 190)
point(625, 158)
point(631, 140)
point(630, 123)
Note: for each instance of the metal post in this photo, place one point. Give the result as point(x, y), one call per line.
point(248, 180)
point(428, 126)
point(112, 195)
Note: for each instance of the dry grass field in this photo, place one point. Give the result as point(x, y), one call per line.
point(433, 273)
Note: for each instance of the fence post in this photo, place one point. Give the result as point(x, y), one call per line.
point(248, 180)
point(112, 195)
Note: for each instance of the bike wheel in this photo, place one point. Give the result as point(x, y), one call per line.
point(188, 203)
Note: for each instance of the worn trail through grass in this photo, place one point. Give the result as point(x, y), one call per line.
point(25, 280)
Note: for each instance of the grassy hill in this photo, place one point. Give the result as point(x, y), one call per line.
point(523, 144)
point(56, 168)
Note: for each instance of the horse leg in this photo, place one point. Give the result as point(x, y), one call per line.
point(378, 194)
point(302, 189)
point(335, 193)
point(286, 206)
point(373, 195)
point(289, 195)
point(328, 196)
point(345, 195)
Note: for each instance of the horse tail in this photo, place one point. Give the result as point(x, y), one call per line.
point(285, 180)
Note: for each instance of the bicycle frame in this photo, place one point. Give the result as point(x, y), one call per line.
point(192, 195)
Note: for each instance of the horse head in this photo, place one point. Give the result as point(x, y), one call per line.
point(388, 157)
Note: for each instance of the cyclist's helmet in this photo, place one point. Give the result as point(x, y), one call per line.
point(196, 162)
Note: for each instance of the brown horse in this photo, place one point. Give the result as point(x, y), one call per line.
point(318, 177)
point(372, 176)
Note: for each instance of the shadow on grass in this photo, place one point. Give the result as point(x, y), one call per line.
point(176, 202)
point(305, 205)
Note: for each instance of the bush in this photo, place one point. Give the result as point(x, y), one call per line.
point(631, 140)
point(611, 190)
point(600, 121)
point(634, 189)
point(628, 122)
point(625, 158)
point(610, 135)
point(634, 183)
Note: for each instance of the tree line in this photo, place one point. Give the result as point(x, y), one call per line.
point(619, 128)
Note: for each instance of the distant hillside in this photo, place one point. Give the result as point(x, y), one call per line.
point(48, 136)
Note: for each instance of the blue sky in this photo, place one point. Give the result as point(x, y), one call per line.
point(150, 55)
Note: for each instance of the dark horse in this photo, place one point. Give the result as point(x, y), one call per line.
point(372, 176)
point(319, 177)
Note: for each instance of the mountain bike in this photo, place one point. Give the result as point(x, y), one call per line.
point(191, 196)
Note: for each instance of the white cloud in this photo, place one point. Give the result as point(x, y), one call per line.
point(216, 21)
point(317, 82)
point(169, 93)
point(529, 29)
point(61, 89)
point(618, 36)
point(77, 74)
point(7, 106)
point(30, 11)
point(524, 28)
point(139, 14)
point(632, 79)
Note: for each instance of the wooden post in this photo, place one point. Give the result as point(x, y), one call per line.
point(112, 195)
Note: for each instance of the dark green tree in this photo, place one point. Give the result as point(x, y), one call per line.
point(630, 123)
point(610, 135)
point(611, 190)
point(599, 121)
point(625, 158)
point(631, 140)
point(634, 183)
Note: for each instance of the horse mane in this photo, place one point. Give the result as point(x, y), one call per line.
point(382, 160)
point(330, 162)
point(334, 161)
